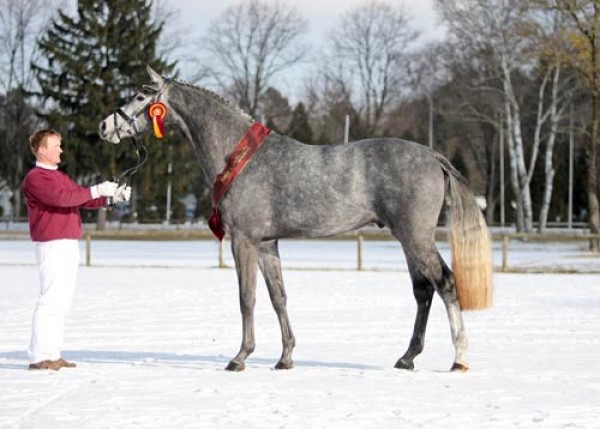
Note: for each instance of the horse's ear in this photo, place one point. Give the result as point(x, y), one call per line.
point(156, 78)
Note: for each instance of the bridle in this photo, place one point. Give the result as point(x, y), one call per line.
point(136, 141)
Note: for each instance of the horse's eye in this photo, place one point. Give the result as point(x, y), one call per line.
point(140, 98)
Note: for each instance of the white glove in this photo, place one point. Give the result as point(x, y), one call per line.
point(105, 189)
point(122, 194)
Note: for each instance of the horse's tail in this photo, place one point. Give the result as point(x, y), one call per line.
point(470, 243)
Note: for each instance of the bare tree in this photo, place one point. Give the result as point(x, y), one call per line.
point(581, 50)
point(427, 72)
point(21, 21)
point(250, 44)
point(554, 96)
point(470, 103)
point(498, 28)
point(371, 45)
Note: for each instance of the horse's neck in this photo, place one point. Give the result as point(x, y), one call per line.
point(212, 127)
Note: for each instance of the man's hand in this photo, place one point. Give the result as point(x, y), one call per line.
point(122, 194)
point(104, 189)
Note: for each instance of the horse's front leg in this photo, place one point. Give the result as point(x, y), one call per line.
point(245, 256)
point(270, 265)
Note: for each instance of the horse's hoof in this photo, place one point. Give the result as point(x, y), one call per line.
point(402, 364)
point(235, 366)
point(284, 365)
point(459, 367)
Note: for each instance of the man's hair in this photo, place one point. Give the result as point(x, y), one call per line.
point(39, 138)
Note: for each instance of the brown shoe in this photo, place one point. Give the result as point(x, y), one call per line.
point(63, 363)
point(46, 364)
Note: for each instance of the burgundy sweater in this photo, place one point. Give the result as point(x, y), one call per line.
point(53, 202)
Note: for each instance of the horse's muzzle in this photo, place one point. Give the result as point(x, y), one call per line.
point(104, 133)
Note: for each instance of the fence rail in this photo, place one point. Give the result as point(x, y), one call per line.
point(502, 237)
point(509, 247)
point(542, 238)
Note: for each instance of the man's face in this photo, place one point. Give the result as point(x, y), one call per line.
point(50, 152)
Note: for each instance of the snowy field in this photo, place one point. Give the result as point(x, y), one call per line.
point(153, 325)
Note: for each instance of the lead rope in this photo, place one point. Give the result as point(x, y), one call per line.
point(129, 172)
point(141, 160)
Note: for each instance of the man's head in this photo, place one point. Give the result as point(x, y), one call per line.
point(46, 146)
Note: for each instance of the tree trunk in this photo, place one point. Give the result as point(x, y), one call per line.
point(549, 171)
point(490, 189)
point(548, 165)
point(592, 178)
point(514, 177)
point(517, 162)
point(524, 190)
point(16, 212)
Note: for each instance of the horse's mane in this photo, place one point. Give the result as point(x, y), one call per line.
point(216, 97)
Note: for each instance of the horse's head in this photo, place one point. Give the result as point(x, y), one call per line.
point(132, 118)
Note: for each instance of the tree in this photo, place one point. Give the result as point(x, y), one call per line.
point(581, 49)
point(556, 89)
point(93, 61)
point(427, 74)
point(496, 34)
point(299, 127)
point(249, 45)
point(276, 110)
point(20, 23)
point(370, 53)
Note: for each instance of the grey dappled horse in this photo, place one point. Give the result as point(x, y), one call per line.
point(291, 189)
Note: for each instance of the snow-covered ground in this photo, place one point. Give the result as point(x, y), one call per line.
point(154, 324)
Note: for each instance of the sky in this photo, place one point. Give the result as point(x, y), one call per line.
point(151, 344)
point(321, 15)
point(194, 18)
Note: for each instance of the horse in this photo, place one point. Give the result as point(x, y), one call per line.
point(288, 189)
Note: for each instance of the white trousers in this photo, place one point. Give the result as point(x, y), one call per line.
point(57, 261)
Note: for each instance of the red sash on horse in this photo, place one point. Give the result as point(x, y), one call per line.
point(236, 162)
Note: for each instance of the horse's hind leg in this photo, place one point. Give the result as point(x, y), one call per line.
point(447, 291)
point(245, 256)
point(423, 292)
point(270, 265)
point(428, 273)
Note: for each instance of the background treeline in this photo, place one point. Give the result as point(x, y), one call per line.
point(502, 94)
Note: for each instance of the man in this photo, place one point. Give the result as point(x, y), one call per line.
point(53, 203)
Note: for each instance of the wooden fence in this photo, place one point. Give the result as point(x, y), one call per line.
point(359, 237)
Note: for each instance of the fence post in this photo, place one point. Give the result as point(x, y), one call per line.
point(221, 257)
point(359, 245)
point(88, 250)
point(504, 253)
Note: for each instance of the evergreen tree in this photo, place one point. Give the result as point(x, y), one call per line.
point(93, 62)
point(299, 127)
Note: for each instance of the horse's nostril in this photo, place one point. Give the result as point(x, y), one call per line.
point(103, 126)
